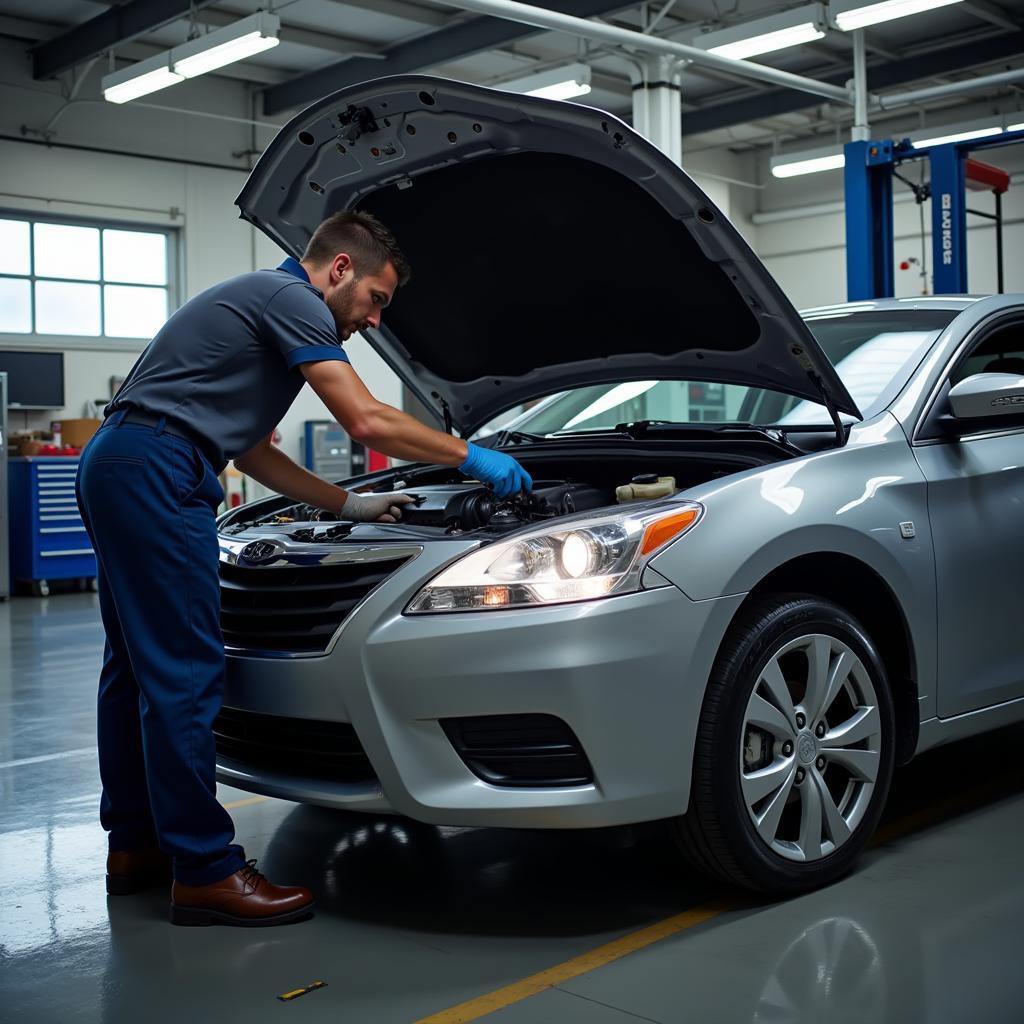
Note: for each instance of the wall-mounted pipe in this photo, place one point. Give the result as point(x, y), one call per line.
point(861, 131)
point(555, 21)
point(905, 99)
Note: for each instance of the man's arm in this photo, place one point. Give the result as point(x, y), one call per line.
point(386, 430)
point(378, 426)
point(275, 470)
point(381, 427)
point(272, 468)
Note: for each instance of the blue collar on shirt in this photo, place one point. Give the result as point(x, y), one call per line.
point(295, 268)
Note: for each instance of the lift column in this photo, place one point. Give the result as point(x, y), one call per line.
point(867, 179)
point(949, 220)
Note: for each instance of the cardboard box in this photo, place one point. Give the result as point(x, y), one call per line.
point(77, 433)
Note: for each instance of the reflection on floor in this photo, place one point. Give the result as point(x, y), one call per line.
point(414, 919)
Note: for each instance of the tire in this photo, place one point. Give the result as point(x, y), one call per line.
point(739, 827)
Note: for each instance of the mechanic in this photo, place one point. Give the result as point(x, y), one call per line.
point(212, 386)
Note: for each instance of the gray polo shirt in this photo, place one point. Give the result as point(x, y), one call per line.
point(225, 365)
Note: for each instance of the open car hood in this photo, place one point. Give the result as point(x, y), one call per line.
point(551, 247)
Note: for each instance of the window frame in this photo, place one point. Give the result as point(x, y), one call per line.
point(104, 342)
point(929, 429)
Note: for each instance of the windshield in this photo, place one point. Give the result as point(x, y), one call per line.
point(874, 353)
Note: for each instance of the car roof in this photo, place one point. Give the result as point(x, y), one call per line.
point(956, 302)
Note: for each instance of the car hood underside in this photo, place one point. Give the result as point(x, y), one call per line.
point(551, 247)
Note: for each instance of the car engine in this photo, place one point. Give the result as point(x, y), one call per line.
point(451, 508)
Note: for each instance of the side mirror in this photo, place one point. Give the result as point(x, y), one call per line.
point(985, 395)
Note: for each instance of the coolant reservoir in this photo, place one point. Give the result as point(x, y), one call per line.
point(645, 487)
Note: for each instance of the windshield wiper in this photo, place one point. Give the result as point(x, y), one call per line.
point(506, 437)
point(638, 429)
point(806, 428)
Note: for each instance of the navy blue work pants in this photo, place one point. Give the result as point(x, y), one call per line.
point(148, 500)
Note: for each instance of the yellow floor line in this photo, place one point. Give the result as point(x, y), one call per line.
point(481, 1006)
point(589, 961)
point(245, 803)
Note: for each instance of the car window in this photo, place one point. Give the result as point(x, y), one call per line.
point(1000, 352)
point(868, 370)
point(874, 352)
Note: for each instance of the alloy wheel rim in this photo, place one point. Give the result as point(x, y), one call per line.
point(810, 748)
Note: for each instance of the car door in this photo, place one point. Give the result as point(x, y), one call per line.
point(976, 508)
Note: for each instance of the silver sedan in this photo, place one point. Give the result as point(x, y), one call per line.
point(818, 614)
point(767, 557)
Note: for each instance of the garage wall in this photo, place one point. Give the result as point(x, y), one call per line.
point(807, 253)
point(730, 181)
point(190, 188)
point(82, 158)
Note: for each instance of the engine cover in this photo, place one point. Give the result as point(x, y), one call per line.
point(473, 506)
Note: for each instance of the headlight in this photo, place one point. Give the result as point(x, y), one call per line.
point(583, 558)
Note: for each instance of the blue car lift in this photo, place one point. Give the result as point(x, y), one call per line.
point(868, 175)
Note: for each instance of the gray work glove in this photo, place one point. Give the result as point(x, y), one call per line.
point(374, 508)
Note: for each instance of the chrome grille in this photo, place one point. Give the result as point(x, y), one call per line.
point(294, 608)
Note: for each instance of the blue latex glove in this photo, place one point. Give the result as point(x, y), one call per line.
point(496, 468)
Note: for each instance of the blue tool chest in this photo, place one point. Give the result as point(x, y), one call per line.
point(48, 538)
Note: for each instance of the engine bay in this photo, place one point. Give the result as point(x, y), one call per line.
point(451, 508)
point(568, 478)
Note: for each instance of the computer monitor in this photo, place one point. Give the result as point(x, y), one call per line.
point(35, 380)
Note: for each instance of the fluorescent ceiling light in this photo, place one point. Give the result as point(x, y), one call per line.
point(557, 84)
point(806, 32)
point(139, 79)
point(226, 45)
point(561, 90)
point(854, 14)
point(977, 133)
point(234, 42)
point(765, 35)
point(806, 163)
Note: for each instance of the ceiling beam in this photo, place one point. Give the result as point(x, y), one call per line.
point(119, 24)
point(219, 16)
point(327, 41)
point(460, 40)
point(428, 16)
point(992, 14)
point(30, 30)
point(771, 102)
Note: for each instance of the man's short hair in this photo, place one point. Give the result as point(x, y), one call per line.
point(364, 238)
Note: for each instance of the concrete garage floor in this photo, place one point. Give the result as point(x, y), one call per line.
point(414, 920)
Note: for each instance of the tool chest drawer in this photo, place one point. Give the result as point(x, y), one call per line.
point(48, 538)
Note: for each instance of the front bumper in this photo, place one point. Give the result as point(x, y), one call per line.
point(627, 674)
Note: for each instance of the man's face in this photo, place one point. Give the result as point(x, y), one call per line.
point(357, 302)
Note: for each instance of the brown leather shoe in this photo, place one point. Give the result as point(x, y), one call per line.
point(131, 871)
point(245, 898)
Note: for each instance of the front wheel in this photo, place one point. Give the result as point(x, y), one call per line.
point(794, 751)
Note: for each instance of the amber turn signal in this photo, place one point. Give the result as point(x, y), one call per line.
point(664, 530)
